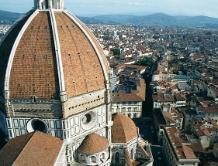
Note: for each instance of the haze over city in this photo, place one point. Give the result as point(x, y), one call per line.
point(135, 7)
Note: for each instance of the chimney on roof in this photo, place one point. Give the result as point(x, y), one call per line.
point(48, 4)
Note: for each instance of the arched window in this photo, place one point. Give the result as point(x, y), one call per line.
point(36, 125)
point(82, 158)
point(93, 159)
point(132, 153)
point(103, 156)
point(34, 99)
point(46, 4)
point(39, 125)
point(117, 158)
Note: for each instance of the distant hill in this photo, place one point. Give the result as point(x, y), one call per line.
point(158, 19)
point(8, 17)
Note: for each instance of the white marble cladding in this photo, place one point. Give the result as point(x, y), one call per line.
point(66, 128)
point(18, 126)
point(62, 158)
point(38, 108)
point(99, 159)
point(84, 102)
point(118, 149)
point(75, 143)
point(131, 109)
point(75, 127)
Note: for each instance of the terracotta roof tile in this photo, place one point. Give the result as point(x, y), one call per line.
point(188, 152)
point(82, 69)
point(93, 143)
point(136, 95)
point(6, 46)
point(100, 49)
point(34, 70)
point(125, 97)
point(31, 149)
point(13, 148)
point(181, 149)
point(123, 129)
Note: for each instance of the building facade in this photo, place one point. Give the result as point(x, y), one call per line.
point(175, 151)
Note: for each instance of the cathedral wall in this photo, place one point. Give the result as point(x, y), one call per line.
point(69, 128)
point(85, 123)
point(76, 128)
point(118, 150)
point(34, 108)
point(83, 102)
point(18, 126)
point(95, 159)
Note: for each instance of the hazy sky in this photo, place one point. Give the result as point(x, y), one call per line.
point(95, 7)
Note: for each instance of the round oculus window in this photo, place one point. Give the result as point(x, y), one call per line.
point(36, 125)
point(88, 120)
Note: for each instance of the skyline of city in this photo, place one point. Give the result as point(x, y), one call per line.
point(137, 7)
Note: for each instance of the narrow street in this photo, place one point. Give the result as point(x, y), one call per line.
point(145, 123)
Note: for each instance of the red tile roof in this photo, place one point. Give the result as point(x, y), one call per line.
point(34, 71)
point(126, 97)
point(135, 95)
point(93, 144)
point(31, 149)
point(123, 129)
point(5, 49)
point(182, 150)
point(34, 68)
point(82, 69)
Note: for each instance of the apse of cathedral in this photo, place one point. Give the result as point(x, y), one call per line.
point(55, 96)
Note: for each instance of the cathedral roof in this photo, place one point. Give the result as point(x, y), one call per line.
point(31, 149)
point(123, 129)
point(93, 144)
point(49, 52)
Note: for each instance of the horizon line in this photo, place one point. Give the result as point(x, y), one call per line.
point(124, 14)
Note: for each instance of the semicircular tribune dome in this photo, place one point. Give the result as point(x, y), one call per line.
point(47, 53)
point(123, 129)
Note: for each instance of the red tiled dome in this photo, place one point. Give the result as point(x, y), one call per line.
point(93, 144)
point(30, 66)
point(123, 129)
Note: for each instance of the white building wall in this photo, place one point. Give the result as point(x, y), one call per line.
point(100, 159)
point(63, 128)
point(131, 109)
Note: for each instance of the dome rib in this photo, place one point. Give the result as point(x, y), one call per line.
point(93, 43)
point(58, 56)
point(97, 45)
point(83, 70)
point(123, 129)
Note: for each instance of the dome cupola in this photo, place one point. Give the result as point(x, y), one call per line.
point(93, 150)
point(48, 4)
point(124, 129)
